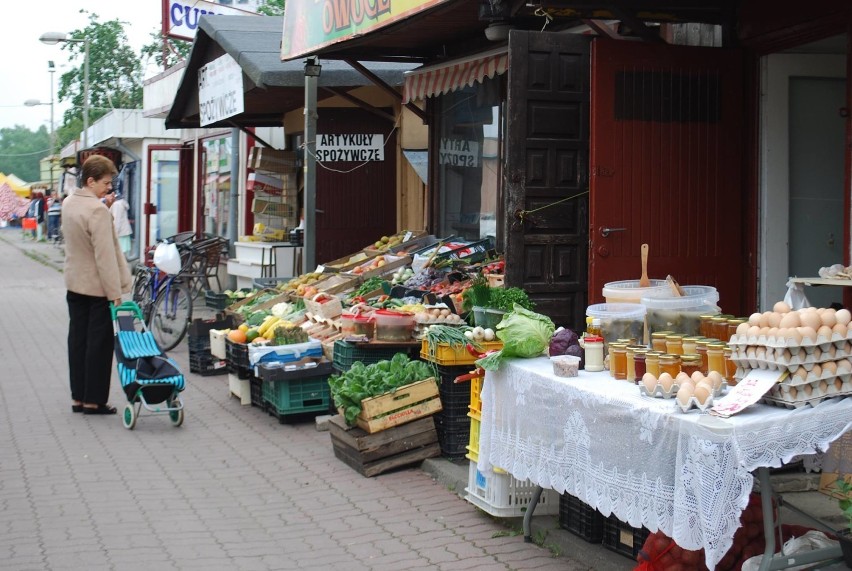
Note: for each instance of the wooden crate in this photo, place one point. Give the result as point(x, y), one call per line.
point(405, 404)
point(373, 454)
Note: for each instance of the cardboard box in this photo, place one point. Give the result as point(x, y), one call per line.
point(272, 184)
point(273, 160)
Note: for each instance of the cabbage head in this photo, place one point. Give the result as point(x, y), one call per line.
point(524, 333)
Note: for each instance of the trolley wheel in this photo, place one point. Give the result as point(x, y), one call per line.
point(176, 416)
point(129, 417)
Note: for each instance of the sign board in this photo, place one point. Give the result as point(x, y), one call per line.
point(220, 90)
point(313, 24)
point(747, 392)
point(180, 17)
point(350, 147)
point(459, 153)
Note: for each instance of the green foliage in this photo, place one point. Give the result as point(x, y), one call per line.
point(21, 150)
point(166, 52)
point(506, 298)
point(271, 8)
point(365, 381)
point(845, 488)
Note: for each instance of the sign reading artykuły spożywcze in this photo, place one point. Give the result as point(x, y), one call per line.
point(180, 19)
point(220, 90)
point(350, 147)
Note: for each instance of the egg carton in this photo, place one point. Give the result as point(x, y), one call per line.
point(799, 375)
point(795, 402)
point(797, 356)
point(808, 344)
point(824, 387)
point(659, 393)
point(693, 403)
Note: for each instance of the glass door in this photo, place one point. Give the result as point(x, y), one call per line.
point(161, 200)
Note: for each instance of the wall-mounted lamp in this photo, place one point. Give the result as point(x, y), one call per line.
point(312, 68)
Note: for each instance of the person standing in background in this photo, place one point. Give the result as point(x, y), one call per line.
point(96, 274)
point(119, 210)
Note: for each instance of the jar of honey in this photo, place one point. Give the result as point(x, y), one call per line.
point(652, 363)
point(658, 340)
point(674, 344)
point(670, 363)
point(688, 344)
point(618, 360)
point(730, 367)
point(716, 358)
point(718, 327)
point(631, 363)
point(704, 324)
point(690, 363)
point(701, 350)
point(639, 363)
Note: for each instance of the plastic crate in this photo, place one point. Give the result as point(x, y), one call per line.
point(476, 384)
point(306, 394)
point(623, 538)
point(453, 442)
point(256, 392)
point(272, 282)
point(205, 364)
point(345, 354)
point(200, 328)
point(447, 355)
point(215, 300)
point(473, 441)
point(580, 519)
point(502, 495)
point(239, 372)
point(236, 354)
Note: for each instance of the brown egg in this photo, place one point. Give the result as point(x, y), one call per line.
point(702, 393)
point(843, 366)
point(811, 319)
point(832, 352)
point(840, 329)
point(794, 392)
point(754, 332)
point(789, 320)
point(829, 368)
point(808, 390)
point(838, 384)
point(843, 316)
point(697, 377)
point(742, 329)
point(649, 381)
point(715, 378)
point(754, 319)
point(794, 337)
point(774, 319)
point(817, 371)
point(800, 373)
point(681, 378)
point(823, 387)
point(684, 394)
point(829, 317)
point(824, 332)
point(781, 307)
point(808, 334)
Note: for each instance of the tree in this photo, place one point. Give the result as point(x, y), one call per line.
point(115, 75)
point(166, 52)
point(271, 8)
point(21, 150)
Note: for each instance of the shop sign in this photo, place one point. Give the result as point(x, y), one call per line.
point(459, 153)
point(180, 17)
point(350, 147)
point(309, 26)
point(220, 90)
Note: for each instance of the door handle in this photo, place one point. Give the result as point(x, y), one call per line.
point(605, 231)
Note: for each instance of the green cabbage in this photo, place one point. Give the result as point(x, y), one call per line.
point(524, 333)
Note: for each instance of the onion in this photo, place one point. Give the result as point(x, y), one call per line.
point(488, 334)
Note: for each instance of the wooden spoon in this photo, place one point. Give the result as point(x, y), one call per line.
point(644, 281)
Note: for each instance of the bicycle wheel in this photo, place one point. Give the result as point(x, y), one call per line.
point(171, 315)
point(141, 292)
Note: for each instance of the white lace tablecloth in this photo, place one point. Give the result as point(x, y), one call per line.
point(637, 457)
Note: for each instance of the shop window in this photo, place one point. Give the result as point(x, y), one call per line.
point(216, 185)
point(470, 132)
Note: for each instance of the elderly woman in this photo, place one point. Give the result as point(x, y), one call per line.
point(95, 274)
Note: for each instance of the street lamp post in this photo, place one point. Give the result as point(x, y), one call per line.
point(52, 38)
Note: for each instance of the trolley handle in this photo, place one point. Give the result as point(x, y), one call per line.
point(126, 306)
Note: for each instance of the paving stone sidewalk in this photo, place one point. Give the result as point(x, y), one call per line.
point(231, 489)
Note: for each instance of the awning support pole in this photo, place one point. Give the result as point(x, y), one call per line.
point(310, 164)
point(250, 134)
point(393, 92)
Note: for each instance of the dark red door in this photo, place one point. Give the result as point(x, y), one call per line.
point(356, 202)
point(666, 166)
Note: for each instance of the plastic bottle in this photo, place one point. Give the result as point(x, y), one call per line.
point(594, 353)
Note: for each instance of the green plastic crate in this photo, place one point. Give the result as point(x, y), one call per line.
point(345, 354)
point(307, 394)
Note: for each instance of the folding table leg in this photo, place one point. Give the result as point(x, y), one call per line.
point(529, 514)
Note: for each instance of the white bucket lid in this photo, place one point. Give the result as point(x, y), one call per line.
point(616, 311)
point(694, 296)
point(657, 288)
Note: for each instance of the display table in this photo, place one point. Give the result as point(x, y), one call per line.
point(686, 474)
point(254, 260)
point(821, 282)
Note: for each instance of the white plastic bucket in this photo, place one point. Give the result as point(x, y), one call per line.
point(628, 291)
point(681, 314)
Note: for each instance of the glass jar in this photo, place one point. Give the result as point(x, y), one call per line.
point(674, 344)
point(716, 358)
point(718, 328)
point(690, 363)
point(730, 367)
point(639, 363)
point(733, 324)
point(704, 324)
point(618, 360)
point(593, 347)
point(652, 363)
point(627, 342)
point(701, 350)
point(658, 340)
point(631, 363)
point(670, 363)
point(688, 344)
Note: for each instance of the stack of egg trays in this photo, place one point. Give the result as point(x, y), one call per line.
point(809, 381)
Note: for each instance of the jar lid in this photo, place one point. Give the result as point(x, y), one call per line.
point(670, 357)
point(626, 341)
point(707, 316)
point(737, 321)
point(690, 358)
point(659, 334)
point(654, 353)
point(719, 319)
point(716, 346)
point(617, 345)
point(391, 313)
point(675, 337)
point(694, 338)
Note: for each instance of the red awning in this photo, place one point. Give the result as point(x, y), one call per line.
point(432, 80)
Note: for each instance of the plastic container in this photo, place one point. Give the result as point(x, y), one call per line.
point(681, 314)
point(487, 317)
point(619, 320)
point(628, 291)
point(393, 325)
point(565, 365)
point(501, 495)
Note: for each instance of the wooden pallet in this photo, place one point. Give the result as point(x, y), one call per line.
point(373, 454)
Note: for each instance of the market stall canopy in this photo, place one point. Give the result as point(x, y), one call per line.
point(429, 30)
point(271, 87)
point(15, 184)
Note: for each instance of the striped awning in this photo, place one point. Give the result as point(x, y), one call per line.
point(432, 80)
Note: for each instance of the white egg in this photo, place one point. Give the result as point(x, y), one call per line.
point(829, 317)
point(649, 381)
point(666, 381)
point(702, 393)
point(684, 394)
point(781, 307)
point(843, 316)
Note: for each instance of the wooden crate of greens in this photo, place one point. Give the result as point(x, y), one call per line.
point(373, 454)
point(405, 404)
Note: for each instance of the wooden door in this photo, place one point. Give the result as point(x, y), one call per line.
point(666, 166)
point(546, 173)
point(356, 202)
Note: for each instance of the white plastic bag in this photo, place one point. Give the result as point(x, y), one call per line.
point(167, 258)
point(796, 546)
point(795, 296)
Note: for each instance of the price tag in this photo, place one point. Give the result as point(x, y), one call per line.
point(320, 269)
point(407, 236)
point(747, 392)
